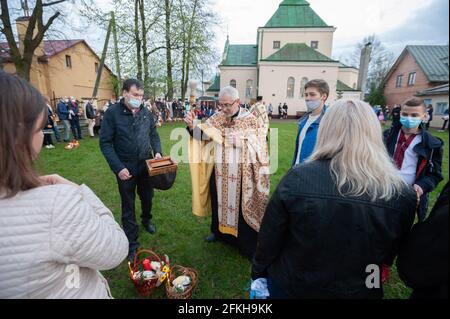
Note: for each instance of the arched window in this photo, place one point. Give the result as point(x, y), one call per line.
point(302, 86)
point(290, 87)
point(249, 89)
point(233, 83)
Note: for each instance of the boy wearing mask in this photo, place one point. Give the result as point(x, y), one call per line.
point(316, 93)
point(416, 153)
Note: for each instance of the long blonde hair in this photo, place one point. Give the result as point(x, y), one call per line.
point(350, 136)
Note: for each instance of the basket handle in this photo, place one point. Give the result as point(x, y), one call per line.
point(145, 251)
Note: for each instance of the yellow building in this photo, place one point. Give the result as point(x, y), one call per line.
point(63, 68)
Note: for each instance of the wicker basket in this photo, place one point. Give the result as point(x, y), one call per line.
point(176, 271)
point(144, 287)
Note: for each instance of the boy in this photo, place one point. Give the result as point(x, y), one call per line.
point(416, 153)
point(316, 93)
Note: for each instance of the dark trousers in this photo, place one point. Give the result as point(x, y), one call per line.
point(275, 292)
point(127, 190)
point(48, 139)
point(445, 124)
point(76, 129)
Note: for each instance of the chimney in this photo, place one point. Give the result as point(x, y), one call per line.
point(22, 26)
point(364, 69)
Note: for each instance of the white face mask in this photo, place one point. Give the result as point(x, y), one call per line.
point(313, 105)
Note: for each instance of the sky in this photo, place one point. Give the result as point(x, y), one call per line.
point(397, 23)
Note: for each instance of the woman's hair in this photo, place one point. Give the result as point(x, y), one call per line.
point(21, 108)
point(350, 136)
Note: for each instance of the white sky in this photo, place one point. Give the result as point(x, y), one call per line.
point(396, 22)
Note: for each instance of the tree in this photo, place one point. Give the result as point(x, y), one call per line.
point(381, 60)
point(34, 35)
point(168, 10)
point(376, 95)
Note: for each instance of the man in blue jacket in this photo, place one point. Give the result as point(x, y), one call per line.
point(63, 113)
point(316, 93)
point(128, 138)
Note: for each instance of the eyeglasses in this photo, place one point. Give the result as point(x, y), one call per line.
point(227, 105)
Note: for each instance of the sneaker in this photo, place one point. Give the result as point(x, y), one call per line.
point(47, 146)
point(69, 146)
point(51, 146)
point(150, 228)
point(131, 255)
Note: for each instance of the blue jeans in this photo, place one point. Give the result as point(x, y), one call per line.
point(66, 124)
point(56, 131)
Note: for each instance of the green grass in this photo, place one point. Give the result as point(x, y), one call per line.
point(223, 273)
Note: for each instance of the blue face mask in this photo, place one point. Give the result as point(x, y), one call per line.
point(134, 103)
point(410, 122)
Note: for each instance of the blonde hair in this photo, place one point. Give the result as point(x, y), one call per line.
point(350, 136)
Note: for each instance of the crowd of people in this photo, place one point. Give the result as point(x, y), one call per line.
point(348, 201)
point(68, 114)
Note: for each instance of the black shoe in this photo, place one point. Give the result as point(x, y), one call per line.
point(211, 238)
point(150, 228)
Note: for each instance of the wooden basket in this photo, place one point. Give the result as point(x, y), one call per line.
point(176, 271)
point(163, 172)
point(144, 287)
point(160, 166)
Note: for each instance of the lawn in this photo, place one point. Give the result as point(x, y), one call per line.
point(223, 273)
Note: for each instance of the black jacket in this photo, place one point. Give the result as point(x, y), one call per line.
point(90, 112)
point(429, 166)
point(316, 243)
point(127, 141)
point(423, 258)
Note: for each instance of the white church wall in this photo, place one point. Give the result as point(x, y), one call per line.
point(351, 95)
point(323, 35)
point(241, 75)
point(349, 76)
point(274, 79)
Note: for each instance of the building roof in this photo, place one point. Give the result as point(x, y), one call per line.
point(437, 90)
point(215, 86)
point(432, 60)
point(295, 14)
point(341, 86)
point(298, 52)
point(344, 66)
point(240, 55)
point(51, 48)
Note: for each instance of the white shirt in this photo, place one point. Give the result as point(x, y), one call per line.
point(311, 119)
point(409, 165)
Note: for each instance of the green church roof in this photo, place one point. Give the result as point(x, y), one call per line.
point(341, 86)
point(240, 55)
point(295, 14)
point(298, 52)
point(215, 87)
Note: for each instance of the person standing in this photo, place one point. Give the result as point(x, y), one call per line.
point(416, 153)
point(239, 184)
point(74, 117)
point(91, 115)
point(285, 111)
point(422, 262)
point(127, 139)
point(54, 122)
point(56, 236)
point(336, 214)
point(259, 111)
point(62, 109)
point(270, 110)
point(316, 94)
point(430, 111)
